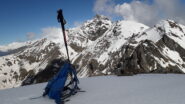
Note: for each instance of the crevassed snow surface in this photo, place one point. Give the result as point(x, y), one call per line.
point(139, 89)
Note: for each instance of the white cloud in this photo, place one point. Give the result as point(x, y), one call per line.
point(53, 33)
point(172, 9)
point(105, 7)
point(77, 23)
point(144, 12)
point(138, 11)
point(30, 36)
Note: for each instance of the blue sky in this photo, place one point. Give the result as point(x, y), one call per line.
point(20, 17)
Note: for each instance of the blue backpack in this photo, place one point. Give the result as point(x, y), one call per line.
point(55, 87)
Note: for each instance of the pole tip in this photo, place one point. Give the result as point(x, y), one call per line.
point(59, 10)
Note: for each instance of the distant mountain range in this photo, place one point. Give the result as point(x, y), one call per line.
point(97, 47)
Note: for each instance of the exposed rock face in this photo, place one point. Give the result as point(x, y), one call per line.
point(43, 76)
point(102, 55)
point(98, 47)
point(96, 27)
point(165, 55)
point(145, 60)
point(27, 61)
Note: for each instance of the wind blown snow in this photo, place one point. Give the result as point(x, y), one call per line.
point(139, 89)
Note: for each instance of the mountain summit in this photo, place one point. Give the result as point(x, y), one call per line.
point(98, 47)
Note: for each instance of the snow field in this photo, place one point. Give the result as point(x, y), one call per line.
point(138, 89)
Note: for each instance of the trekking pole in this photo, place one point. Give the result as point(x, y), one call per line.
point(61, 19)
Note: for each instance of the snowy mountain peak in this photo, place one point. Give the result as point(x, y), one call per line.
point(170, 26)
point(96, 27)
point(98, 47)
point(101, 17)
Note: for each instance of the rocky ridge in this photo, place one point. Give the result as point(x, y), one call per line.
point(98, 47)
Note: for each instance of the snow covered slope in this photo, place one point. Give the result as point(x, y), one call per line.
point(99, 57)
point(97, 47)
point(139, 89)
point(158, 49)
point(128, 47)
point(26, 62)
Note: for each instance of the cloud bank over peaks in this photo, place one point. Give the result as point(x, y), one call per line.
point(146, 11)
point(105, 7)
point(30, 36)
point(53, 33)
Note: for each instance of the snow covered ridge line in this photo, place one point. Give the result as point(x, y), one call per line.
point(98, 47)
point(130, 48)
